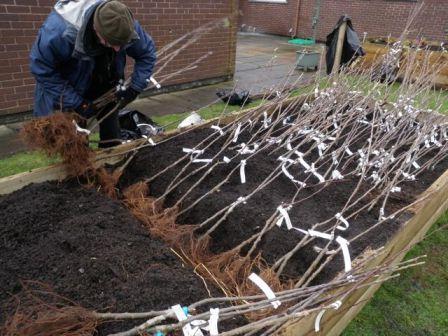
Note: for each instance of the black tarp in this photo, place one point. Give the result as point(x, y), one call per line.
point(352, 45)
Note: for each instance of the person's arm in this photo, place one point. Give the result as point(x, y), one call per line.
point(48, 52)
point(143, 51)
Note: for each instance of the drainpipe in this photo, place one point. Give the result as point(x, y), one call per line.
point(296, 23)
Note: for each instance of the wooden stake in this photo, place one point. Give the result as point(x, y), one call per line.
point(339, 47)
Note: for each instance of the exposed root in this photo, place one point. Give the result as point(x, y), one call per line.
point(56, 135)
point(40, 312)
point(160, 222)
point(108, 181)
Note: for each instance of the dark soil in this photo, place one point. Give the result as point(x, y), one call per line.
point(246, 220)
point(90, 250)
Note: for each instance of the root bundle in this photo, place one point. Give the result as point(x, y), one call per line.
point(41, 312)
point(56, 135)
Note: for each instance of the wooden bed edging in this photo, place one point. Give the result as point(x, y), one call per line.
point(334, 322)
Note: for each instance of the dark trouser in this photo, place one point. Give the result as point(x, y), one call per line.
point(109, 128)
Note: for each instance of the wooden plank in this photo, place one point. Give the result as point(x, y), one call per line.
point(57, 172)
point(436, 59)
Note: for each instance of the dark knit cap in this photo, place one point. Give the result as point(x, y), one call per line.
point(114, 22)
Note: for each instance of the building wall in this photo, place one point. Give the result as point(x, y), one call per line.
point(376, 17)
point(164, 20)
point(265, 17)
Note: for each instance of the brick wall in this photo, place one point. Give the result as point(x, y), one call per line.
point(164, 20)
point(376, 17)
point(272, 18)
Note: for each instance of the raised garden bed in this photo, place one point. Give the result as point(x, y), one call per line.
point(91, 250)
point(128, 273)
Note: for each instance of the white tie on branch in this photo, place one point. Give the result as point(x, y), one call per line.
point(154, 82)
point(243, 171)
point(150, 141)
point(334, 158)
point(408, 176)
point(207, 161)
point(339, 217)
point(265, 289)
point(246, 150)
point(288, 143)
point(284, 217)
point(217, 128)
point(335, 305)
point(237, 133)
point(80, 129)
point(336, 175)
point(213, 322)
point(343, 243)
point(348, 151)
point(266, 120)
point(193, 151)
point(288, 175)
point(186, 329)
point(302, 161)
point(313, 171)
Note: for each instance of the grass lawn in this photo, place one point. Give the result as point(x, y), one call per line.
point(416, 302)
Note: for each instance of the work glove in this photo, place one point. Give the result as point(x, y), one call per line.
point(126, 96)
point(86, 110)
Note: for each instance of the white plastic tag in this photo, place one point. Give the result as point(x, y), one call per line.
point(345, 253)
point(151, 141)
point(202, 161)
point(336, 175)
point(243, 171)
point(186, 329)
point(288, 175)
point(302, 161)
point(339, 217)
point(313, 171)
point(266, 120)
point(237, 133)
point(154, 82)
point(217, 128)
point(284, 216)
point(335, 305)
point(265, 288)
point(80, 129)
point(192, 151)
point(213, 321)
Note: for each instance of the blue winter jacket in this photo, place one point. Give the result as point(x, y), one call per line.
point(63, 69)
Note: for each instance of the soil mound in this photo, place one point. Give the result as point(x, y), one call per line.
point(90, 250)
